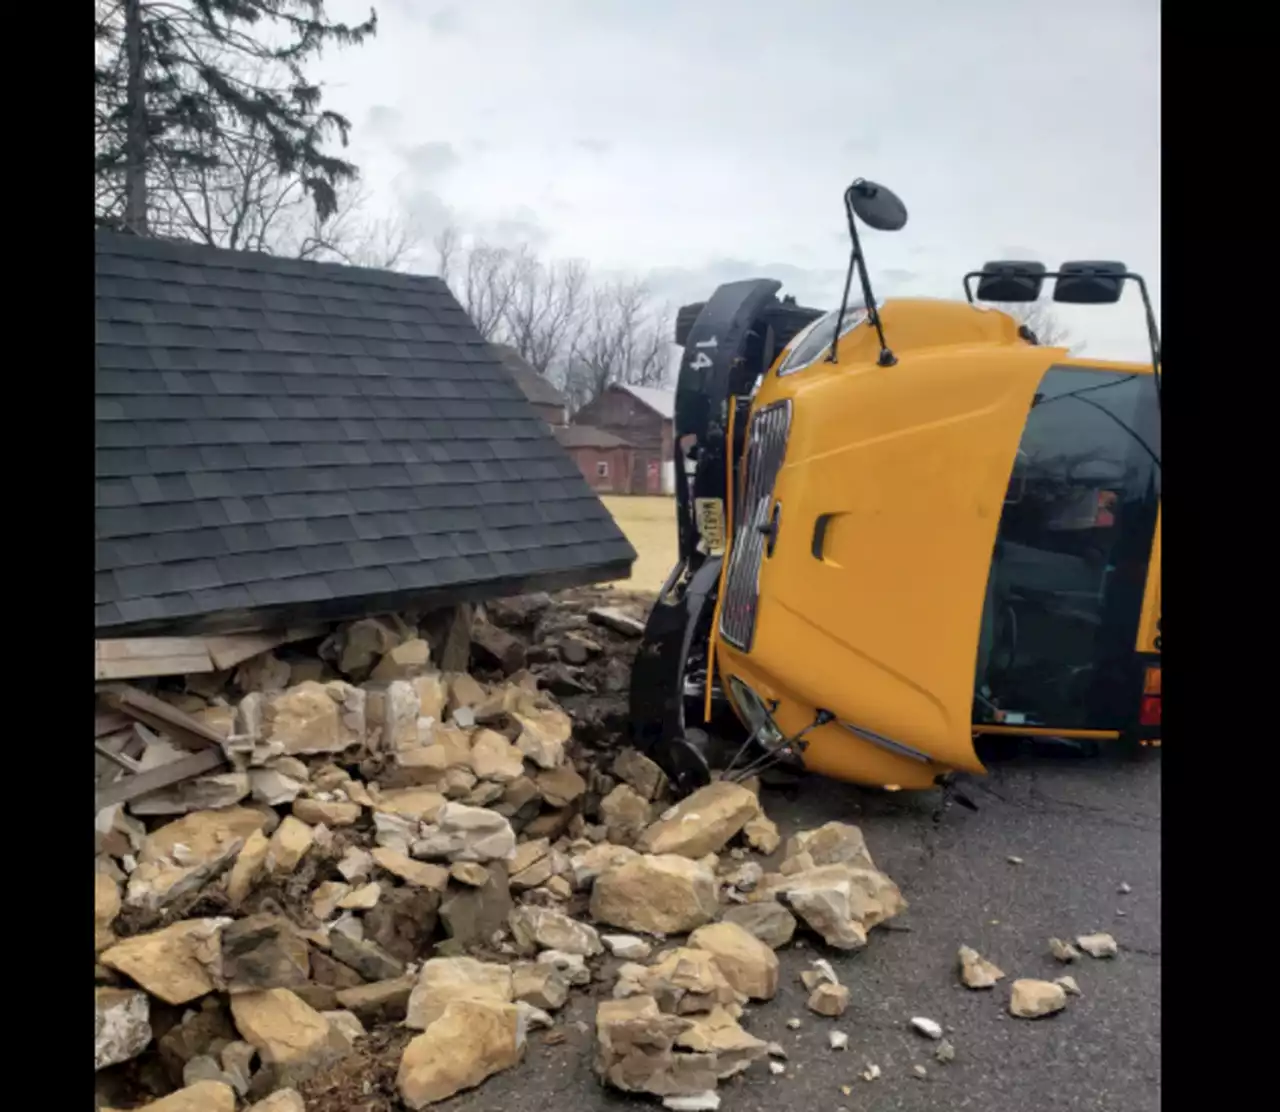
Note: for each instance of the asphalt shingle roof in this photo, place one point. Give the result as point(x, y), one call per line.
point(533, 385)
point(277, 438)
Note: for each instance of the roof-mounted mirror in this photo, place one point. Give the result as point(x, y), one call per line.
point(1011, 281)
point(1089, 283)
point(876, 206)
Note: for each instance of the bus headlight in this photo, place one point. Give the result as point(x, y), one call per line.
point(755, 714)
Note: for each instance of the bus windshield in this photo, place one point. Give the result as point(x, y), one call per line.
point(1072, 555)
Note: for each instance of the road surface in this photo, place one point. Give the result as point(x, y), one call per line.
point(1082, 828)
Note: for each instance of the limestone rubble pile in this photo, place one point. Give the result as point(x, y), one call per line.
point(452, 850)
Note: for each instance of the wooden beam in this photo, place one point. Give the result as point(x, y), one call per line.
point(110, 722)
point(136, 657)
point(183, 730)
point(149, 656)
point(234, 648)
point(143, 783)
point(117, 759)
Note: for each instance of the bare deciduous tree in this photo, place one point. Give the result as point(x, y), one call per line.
point(241, 203)
point(546, 308)
point(1039, 317)
point(581, 335)
point(622, 337)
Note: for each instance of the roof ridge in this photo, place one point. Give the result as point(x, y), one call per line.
point(127, 245)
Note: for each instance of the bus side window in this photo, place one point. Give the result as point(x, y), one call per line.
point(1018, 480)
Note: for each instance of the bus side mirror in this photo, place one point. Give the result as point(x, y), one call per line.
point(1089, 283)
point(1011, 281)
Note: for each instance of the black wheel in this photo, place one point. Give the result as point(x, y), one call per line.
point(687, 763)
point(684, 320)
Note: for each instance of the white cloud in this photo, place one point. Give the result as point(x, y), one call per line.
point(699, 140)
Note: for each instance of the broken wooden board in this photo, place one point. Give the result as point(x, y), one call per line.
point(132, 786)
point(136, 657)
point(183, 730)
point(150, 656)
point(235, 648)
point(126, 704)
point(110, 722)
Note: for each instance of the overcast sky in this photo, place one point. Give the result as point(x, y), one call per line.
point(700, 141)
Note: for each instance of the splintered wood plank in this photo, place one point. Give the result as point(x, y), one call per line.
point(132, 786)
point(134, 657)
point(110, 722)
point(183, 730)
point(234, 648)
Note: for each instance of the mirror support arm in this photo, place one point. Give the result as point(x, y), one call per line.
point(858, 262)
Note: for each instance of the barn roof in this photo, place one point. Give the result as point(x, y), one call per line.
point(278, 439)
point(587, 436)
point(662, 402)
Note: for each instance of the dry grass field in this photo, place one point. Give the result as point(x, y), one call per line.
point(650, 526)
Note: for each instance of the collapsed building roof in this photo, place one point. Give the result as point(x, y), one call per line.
point(279, 440)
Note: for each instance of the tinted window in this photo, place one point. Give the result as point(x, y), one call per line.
point(1072, 554)
point(813, 342)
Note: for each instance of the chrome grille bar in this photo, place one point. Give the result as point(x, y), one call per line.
point(766, 447)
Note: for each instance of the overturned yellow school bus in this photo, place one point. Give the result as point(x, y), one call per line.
point(904, 525)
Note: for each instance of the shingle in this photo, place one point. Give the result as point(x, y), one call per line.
point(275, 433)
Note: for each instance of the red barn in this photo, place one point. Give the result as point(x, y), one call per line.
point(643, 417)
point(605, 460)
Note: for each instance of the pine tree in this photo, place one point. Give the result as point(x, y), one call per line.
point(178, 81)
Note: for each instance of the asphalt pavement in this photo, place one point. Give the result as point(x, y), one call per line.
point(1081, 827)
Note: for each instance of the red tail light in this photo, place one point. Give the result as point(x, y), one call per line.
point(1150, 714)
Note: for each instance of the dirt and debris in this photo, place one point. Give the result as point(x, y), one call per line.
point(398, 870)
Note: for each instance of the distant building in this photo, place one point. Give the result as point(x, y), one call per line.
point(547, 401)
point(643, 417)
point(605, 460)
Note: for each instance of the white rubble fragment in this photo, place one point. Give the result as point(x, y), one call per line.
point(838, 1040)
point(356, 864)
point(871, 1073)
point(1068, 985)
point(825, 970)
point(122, 1027)
point(929, 1028)
point(777, 1068)
point(627, 946)
point(1100, 945)
point(1063, 951)
point(693, 1102)
point(533, 1018)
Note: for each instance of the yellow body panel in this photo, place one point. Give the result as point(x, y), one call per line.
point(1149, 626)
point(913, 463)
